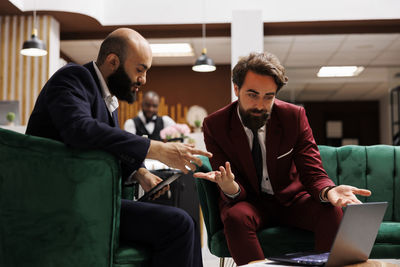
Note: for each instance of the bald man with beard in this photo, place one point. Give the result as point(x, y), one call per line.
point(78, 106)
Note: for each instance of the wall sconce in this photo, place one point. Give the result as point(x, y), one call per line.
point(34, 47)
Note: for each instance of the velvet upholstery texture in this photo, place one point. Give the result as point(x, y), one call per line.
point(60, 206)
point(376, 168)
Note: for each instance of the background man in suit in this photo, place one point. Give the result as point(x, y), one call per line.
point(147, 122)
point(78, 106)
point(276, 177)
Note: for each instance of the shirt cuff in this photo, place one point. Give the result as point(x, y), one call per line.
point(234, 195)
point(325, 194)
point(320, 197)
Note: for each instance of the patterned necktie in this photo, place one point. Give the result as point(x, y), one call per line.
point(257, 156)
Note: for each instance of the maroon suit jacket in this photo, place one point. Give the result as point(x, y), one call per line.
point(293, 159)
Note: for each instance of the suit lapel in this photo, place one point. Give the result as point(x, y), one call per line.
point(92, 71)
point(113, 119)
point(241, 147)
point(273, 139)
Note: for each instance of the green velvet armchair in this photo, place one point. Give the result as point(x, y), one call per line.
point(60, 206)
point(376, 168)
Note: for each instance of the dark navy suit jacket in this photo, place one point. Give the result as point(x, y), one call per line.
point(71, 109)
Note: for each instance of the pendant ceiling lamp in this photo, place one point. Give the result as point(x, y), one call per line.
point(204, 63)
point(34, 47)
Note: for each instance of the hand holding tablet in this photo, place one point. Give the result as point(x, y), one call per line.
point(150, 194)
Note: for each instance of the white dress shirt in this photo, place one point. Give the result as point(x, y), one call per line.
point(110, 100)
point(265, 182)
point(129, 125)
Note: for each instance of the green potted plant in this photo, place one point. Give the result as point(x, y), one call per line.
point(10, 118)
point(197, 126)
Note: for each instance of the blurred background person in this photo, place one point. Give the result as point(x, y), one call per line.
point(147, 122)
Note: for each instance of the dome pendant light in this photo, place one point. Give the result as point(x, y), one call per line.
point(34, 47)
point(204, 63)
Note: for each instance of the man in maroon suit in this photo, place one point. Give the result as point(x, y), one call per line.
point(276, 177)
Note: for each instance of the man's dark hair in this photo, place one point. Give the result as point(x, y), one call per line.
point(259, 63)
point(112, 45)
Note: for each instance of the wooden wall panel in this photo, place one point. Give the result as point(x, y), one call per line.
point(179, 88)
point(21, 77)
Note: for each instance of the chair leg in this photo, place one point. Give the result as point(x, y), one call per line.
point(221, 262)
point(233, 264)
point(229, 262)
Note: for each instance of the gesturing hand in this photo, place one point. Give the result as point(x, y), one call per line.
point(343, 195)
point(224, 178)
point(176, 155)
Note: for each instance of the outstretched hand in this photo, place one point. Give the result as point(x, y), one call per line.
point(177, 155)
point(343, 195)
point(224, 178)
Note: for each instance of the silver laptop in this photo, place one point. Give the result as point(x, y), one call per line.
point(354, 239)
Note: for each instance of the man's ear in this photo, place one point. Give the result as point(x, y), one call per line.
point(113, 61)
point(236, 88)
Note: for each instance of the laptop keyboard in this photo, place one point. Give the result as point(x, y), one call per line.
point(323, 257)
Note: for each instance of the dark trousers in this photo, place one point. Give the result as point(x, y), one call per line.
point(244, 219)
point(170, 233)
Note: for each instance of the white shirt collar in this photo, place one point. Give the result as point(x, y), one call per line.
point(110, 100)
point(143, 118)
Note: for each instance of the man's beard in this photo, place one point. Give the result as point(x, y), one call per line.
point(253, 122)
point(121, 85)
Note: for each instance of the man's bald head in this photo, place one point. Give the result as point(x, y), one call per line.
point(150, 104)
point(120, 42)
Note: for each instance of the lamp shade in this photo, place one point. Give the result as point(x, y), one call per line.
point(204, 63)
point(34, 47)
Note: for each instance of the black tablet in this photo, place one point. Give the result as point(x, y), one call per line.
point(149, 195)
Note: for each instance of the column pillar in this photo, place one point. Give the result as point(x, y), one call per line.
point(247, 35)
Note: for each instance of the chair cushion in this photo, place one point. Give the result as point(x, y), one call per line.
point(274, 241)
point(218, 246)
point(389, 233)
point(278, 240)
point(132, 257)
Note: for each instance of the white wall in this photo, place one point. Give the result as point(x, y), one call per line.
point(119, 12)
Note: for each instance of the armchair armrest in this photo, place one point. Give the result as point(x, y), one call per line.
point(58, 206)
point(208, 196)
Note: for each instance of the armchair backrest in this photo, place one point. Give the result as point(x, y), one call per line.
point(58, 206)
point(376, 168)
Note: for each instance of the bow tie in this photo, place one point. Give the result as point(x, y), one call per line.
point(152, 119)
